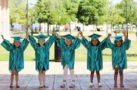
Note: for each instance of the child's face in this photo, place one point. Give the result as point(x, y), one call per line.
point(16, 44)
point(68, 42)
point(41, 42)
point(118, 43)
point(94, 42)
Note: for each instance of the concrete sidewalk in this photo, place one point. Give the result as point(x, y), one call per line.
point(29, 81)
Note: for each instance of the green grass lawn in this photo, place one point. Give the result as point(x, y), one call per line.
point(81, 53)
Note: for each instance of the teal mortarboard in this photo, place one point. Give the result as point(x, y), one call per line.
point(118, 38)
point(17, 39)
point(94, 36)
point(41, 37)
point(69, 37)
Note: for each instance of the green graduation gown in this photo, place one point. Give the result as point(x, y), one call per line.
point(16, 57)
point(119, 54)
point(94, 54)
point(42, 53)
point(68, 52)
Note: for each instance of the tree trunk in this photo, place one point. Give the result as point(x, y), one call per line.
point(83, 27)
point(48, 29)
point(70, 28)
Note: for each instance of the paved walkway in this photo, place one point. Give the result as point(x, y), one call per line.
point(29, 81)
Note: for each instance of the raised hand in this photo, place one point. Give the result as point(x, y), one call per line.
point(80, 33)
point(125, 34)
point(2, 37)
point(27, 34)
point(109, 35)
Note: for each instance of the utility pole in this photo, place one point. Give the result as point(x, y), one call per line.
point(27, 8)
point(126, 16)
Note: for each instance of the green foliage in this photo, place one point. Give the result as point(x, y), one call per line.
point(128, 10)
point(115, 17)
point(56, 11)
point(91, 11)
point(17, 11)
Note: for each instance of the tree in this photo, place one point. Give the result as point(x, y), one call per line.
point(128, 9)
point(114, 17)
point(17, 11)
point(91, 11)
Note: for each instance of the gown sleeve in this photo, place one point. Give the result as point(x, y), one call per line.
point(32, 42)
point(24, 43)
point(51, 40)
point(76, 43)
point(60, 42)
point(109, 44)
point(85, 42)
point(103, 44)
point(127, 44)
point(7, 45)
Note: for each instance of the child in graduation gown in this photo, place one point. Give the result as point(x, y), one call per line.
point(16, 57)
point(68, 44)
point(42, 55)
point(94, 55)
point(119, 60)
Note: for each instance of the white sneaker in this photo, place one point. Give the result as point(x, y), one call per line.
point(62, 86)
point(72, 86)
point(99, 85)
point(91, 85)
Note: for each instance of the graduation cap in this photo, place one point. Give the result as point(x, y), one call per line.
point(41, 37)
point(94, 36)
point(17, 39)
point(69, 37)
point(118, 38)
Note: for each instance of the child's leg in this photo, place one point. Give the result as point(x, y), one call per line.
point(40, 79)
point(98, 76)
point(91, 76)
point(17, 78)
point(11, 79)
point(72, 79)
point(115, 76)
point(65, 73)
point(44, 79)
point(121, 78)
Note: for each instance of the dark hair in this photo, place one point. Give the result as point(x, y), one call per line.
point(15, 46)
point(116, 41)
point(97, 43)
point(39, 44)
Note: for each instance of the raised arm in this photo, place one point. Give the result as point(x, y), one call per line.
point(6, 44)
point(76, 43)
point(25, 42)
point(52, 39)
point(84, 41)
point(32, 42)
point(127, 42)
point(109, 44)
point(106, 43)
point(60, 42)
